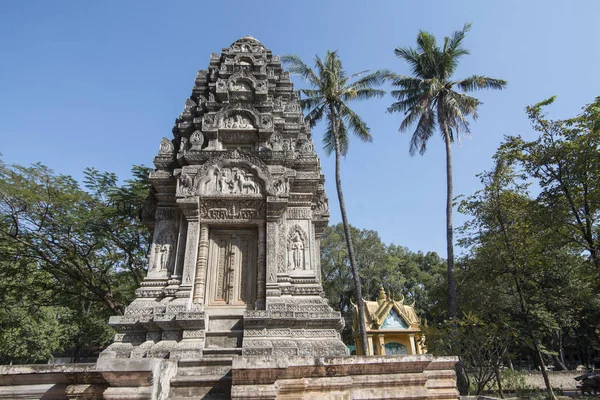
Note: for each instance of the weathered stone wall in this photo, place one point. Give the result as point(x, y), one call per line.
point(125, 379)
point(423, 377)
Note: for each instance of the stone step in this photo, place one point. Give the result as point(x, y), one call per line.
point(225, 323)
point(219, 352)
point(203, 380)
point(217, 391)
point(224, 339)
point(201, 362)
point(204, 371)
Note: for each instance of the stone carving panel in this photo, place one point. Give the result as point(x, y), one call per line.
point(232, 181)
point(236, 121)
point(297, 250)
point(276, 142)
point(232, 209)
point(166, 148)
point(196, 141)
point(281, 249)
point(322, 204)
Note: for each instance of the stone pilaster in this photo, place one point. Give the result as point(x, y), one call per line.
point(200, 280)
point(261, 264)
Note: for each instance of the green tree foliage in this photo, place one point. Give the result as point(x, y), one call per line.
point(481, 345)
point(564, 161)
point(430, 99)
point(332, 90)
point(534, 275)
point(69, 258)
point(401, 272)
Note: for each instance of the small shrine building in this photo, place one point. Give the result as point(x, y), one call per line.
point(393, 328)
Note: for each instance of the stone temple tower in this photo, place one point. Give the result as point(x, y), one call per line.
point(237, 210)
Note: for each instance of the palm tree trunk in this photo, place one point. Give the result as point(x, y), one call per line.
point(353, 264)
point(449, 229)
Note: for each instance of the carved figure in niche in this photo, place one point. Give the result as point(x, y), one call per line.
point(196, 140)
point(237, 122)
point(165, 255)
point(221, 87)
point(276, 142)
point(245, 48)
point(182, 146)
point(211, 97)
point(297, 248)
point(166, 147)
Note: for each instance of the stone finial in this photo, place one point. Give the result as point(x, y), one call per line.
point(382, 296)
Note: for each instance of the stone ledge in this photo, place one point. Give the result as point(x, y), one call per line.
point(407, 377)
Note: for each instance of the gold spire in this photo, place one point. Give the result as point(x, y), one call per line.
point(382, 296)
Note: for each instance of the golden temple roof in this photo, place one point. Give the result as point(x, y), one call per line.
point(377, 312)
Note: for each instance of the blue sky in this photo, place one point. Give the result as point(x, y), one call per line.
point(99, 83)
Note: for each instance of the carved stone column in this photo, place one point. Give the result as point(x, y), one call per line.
point(200, 279)
point(261, 265)
point(189, 207)
point(272, 289)
point(413, 347)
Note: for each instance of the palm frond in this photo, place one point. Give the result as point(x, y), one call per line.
point(478, 82)
point(356, 123)
point(424, 131)
point(315, 115)
point(298, 67)
point(412, 58)
point(329, 141)
point(362, 94)
point(371, 80)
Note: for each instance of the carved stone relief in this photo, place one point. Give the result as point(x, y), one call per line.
point(236, 122)
point(322, 204)
point(161, 252)
point(234, 180)
point(166, 147)
point(240, 86)
point(232, 209)
point(281, 249)
point(196, 141)
point(297, 250)
point(276, 142)
point(308, 147)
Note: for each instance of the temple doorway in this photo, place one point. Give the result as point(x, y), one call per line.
point(231, 278)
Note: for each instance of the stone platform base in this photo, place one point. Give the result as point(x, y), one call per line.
point(370, 377)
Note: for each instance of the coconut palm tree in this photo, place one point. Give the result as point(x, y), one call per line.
point(430, 99)
point(332, 90)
